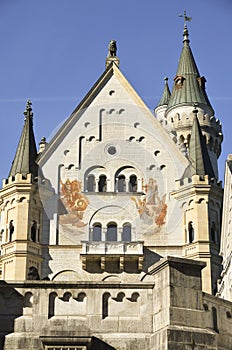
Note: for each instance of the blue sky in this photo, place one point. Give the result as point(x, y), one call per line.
point(52, 52)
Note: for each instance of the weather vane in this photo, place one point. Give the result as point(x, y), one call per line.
point(186, 18)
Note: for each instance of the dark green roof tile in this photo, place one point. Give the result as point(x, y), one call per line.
point(166, 95)
point(198, 153)
point(188, 87)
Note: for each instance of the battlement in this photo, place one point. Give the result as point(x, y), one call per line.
point(185, 119)
point(198, 180)
point(18, 178)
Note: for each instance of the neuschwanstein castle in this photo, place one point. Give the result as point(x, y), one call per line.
point(115, 234)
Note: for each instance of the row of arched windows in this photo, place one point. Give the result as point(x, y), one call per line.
point(110, 233)
point(213, 233)
point(34, 233)
point(121, 184)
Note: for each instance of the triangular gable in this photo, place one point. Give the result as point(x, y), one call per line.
point(111, 71)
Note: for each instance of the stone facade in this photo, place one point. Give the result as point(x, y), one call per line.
point(164, 310)
point(110, 236)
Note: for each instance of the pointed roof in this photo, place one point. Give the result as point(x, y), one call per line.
point(166, 95)
point(26, 153)
point(188, 87)
point(198, 153)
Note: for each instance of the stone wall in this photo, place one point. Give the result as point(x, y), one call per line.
point(166, 310)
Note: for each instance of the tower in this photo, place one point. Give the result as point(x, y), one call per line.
point(189, 88)
point(21, 210)
point(189, 118)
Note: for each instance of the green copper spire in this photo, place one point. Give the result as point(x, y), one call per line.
point(166, 94)
point(26, 153)
point(198, 154)
point(188, 87)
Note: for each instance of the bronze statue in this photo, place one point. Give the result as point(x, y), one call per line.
point(112, 48)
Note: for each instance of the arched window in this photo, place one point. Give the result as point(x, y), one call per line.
point(121, 183)
point(66, 296)
point(97, 232)
point(126, 232)
point(215, 322)
point(181, 139)
point(33, 231)
point(133, 183)
point(1, 235)
point(190, 232)
point(111, 234)
point(105, 305)
point(51, 304)
point(91, 183)
point(11, 229)
point(188, 139)
point(102, 184)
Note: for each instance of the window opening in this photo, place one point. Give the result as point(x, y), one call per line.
point(191, 232)
point(215, 323)
point(91, 183)
point(33, 231)
point(121, 183)
point(111, 234)
point(97, 232)
point(133, 183)
point(11, 229)
point(102, 184)
point(126, 232)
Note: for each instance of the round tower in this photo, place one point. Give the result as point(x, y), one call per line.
point(189, 89)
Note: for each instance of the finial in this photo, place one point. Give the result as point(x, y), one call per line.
point(185, 33)
point(186, 18)
point(112, 48)
point(42, 144)
point(112, 53)
point(28, 110)
point(195, 111)
point(166, 80)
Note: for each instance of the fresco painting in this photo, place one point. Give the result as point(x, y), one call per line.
point(75, 203)
point(152, 207)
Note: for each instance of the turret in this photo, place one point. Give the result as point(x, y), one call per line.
point(201, 197)
point(163, 103)
point(188, 89)
point(21, 210)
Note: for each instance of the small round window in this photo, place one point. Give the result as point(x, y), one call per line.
point(112, 150)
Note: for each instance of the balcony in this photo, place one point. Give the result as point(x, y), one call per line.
point(114, 253)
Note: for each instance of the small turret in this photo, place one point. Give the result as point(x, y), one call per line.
point(163, 103)
point(21, 210)
point(188, 89)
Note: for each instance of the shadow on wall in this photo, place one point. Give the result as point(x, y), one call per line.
point(98, 344)
point(11, 307)
point(87, 342)
point(150, 258)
